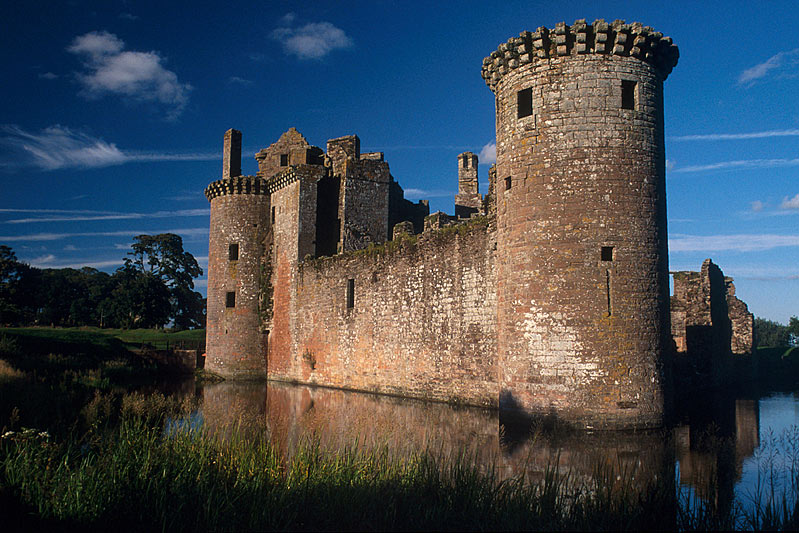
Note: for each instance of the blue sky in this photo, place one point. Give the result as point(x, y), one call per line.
point(112, 115)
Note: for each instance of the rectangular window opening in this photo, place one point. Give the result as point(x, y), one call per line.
point(284, 160)
point(233, 252)
point(607, 288)
point(465, 162)
point(350, 293)
point(524, 103)
point(230, 299)
point(627, 94)
point(607, 253)
point(508, 183)
point(273, 215)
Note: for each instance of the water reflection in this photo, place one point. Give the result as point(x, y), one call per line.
point(714, 447)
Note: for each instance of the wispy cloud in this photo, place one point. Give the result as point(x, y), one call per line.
point(737, 136)
point(311, 41)
point(416, 194)
point(60, 147)
point(790, 203)
point(97, 216)
point(740, 164)
point(36, 237)
point(52, 262)
point(48, 76)
point(488, 153)
point(137, 75)
point(782, 64)
point(757, 206)
point(739, 243)
point(239, 81)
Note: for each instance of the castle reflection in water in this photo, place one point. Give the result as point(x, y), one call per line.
point(708, 446)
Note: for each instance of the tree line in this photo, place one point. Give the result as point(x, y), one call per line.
point(153, 288)
point(770, 333)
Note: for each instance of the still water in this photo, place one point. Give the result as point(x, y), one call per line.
point(731, 450)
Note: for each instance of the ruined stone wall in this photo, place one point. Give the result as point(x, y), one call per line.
point(293, 217)
point(582, 256)
point(290, 149)
point(468, 201)
point(422, 321)
point(708, 321)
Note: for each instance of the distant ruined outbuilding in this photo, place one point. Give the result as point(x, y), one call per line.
point(550, 295)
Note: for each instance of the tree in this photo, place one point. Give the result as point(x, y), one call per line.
point(10, 273)
point(138, 300)
point(163, 257)
point(793, 327)
point(769, 333)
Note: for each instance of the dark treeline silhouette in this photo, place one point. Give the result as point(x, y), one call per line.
point(769, 333)
point(153, 288)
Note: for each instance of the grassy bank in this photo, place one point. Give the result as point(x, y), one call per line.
point(139, 462)
point(48, 374)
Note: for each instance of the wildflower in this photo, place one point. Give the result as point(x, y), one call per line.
point(9, 434)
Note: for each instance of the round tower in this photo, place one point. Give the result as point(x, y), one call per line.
point(582, 258)
point(235, 344)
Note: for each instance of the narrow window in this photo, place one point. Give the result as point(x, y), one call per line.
point(273, 215)
point(627, 94)
point(233, 252)
point(607, 253)
point(508, 183)
point(465, 162)
point(607, 288)
point(284, 160)
point(350, 293)
point(524, 103)
point(230, 299)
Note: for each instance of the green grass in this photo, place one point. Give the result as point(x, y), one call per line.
point(91, 339)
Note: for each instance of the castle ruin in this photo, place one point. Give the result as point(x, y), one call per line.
point(550, 295)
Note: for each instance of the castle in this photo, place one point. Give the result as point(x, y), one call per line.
point(548, 295)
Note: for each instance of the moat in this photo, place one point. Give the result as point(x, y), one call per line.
point(727, 448)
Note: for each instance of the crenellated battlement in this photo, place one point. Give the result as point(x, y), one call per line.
point(236, 185)
point(616, 38)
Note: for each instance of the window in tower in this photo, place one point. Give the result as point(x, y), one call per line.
point(233, 252)
point(230, 299)
point(524, 103)
point(627, 94)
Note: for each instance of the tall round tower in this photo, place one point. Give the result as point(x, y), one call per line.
point(582, 258)
point(235, 345)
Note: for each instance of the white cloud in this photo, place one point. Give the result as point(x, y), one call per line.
point(783, 64)
point(59, 147)
point(790, 203)
point(416, 194)
point(739, 243)
point(51, 263)
point(239, 81)
point(48, 76)
point(737, 136)
point(38, 237)
point(42, 260)
point(138, 75)
point(669, 165)
point(488, 153)
point(311, 41)
point(746, 163)
point(758, 206)
point(100, 215)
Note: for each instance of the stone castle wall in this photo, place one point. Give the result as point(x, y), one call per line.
point(422, 321)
